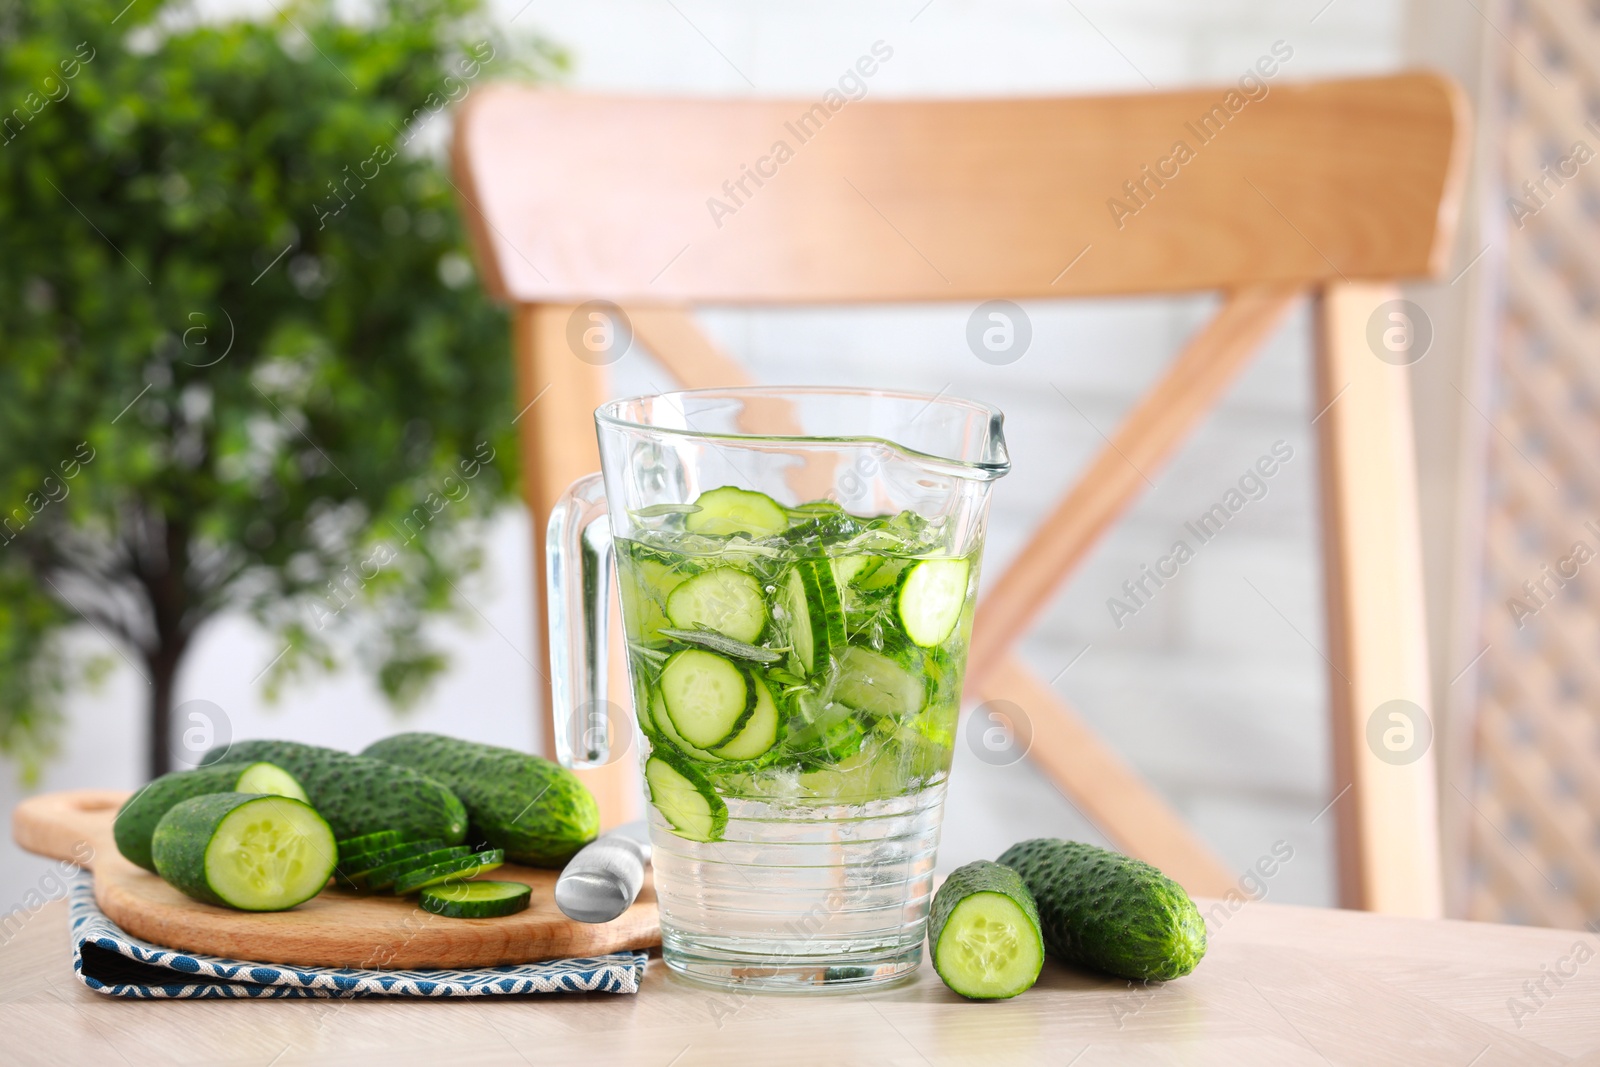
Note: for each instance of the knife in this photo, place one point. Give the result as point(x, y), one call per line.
point(603, 880)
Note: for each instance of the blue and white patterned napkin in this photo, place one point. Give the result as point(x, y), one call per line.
point(107, 960)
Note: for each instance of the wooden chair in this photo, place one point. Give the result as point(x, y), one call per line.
point(1330, 190)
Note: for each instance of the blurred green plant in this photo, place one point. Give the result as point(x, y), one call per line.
point(243, 362)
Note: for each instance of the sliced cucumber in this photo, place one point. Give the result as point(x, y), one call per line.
point(645, 585)
point(815, 618)
point(829, 734)
point(454, 870)
point(760, 731)
point(723, 599)
point(245, 850)
point(669, 733)
point(984, 932)
point(355, 846)
point(931, 598)
point(875, 683)
point(135, 825)
point(724, 646)
point(385, 877)
point(883, 577)
point(726, 511)
point(848, 569)
point(353, 870)
point(708, 698)
point(272, 779)
point(685, 798)
point(476, 900)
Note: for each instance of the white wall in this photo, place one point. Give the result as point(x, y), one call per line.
point(1215, 691)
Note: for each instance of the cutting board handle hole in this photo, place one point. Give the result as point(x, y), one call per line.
point(95, 804)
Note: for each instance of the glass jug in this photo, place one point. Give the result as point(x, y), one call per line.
point(798, 569)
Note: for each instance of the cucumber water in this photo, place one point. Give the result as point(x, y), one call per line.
point(799, 654)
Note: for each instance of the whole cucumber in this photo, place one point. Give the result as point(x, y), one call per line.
point(136, 821)
point(1108, 911)
point(536, 811)
point(360, 796)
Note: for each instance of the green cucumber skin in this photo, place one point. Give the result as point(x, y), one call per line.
point(184, 833)
point(1108, 911)
point(536, 811)
point(359, 795)
point(978, 877)
point(136, 822)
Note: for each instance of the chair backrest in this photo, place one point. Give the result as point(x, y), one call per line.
point(1266, 191)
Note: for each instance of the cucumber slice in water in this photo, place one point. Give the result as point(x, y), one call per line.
point(245, 850)
point(685, 799)
point(645, 585)
point(931, 598)
point(662, 722)
point(476, 900)
point(816, 620)
point(760, 732)
point(723, 599)
point(983, 932)
point(455, 870)
point(875, 683)
point(708, 698)
point(727, 511)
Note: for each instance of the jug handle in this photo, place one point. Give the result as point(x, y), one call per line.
point(578, 563)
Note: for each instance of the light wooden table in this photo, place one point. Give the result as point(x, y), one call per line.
point(1280, 986)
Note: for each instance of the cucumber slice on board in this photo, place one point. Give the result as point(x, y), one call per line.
point(352, 871)
point(983, 932)
point(760, 731)
point(685, 798)
point(385, 877)
point(875, 683)
point(476, 900)
point(708, 698)
point(136, 822)
point(456, 870)
point(810, 599)
point(931, 598)
point(245, 850)
point(355, 846)
point(727, 511)
point(723, 599)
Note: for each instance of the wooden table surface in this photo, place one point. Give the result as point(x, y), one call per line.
point(1281, 985)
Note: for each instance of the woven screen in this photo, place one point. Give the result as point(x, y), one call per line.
point(1533, 843)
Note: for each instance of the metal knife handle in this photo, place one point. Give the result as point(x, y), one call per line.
point(603, 880)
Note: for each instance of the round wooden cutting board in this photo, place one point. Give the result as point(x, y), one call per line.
point(334, 929)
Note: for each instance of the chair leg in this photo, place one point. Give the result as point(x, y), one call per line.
point(556, 395)
point(1384, 792)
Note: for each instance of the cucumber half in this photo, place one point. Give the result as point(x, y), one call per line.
point(135, 825)
point(931, 598)
point(245, 851)
point(724, 599)
point(453, 870)
point(708, 698)
point(685, 799)
point(727, 511)
point(984, 933)
point(476, 900)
